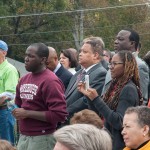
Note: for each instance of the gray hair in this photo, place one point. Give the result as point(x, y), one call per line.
point(143, 114)
point(96, 43)
point(83, 137)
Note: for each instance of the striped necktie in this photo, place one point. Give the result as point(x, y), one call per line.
point(79, 78)
point(80, 75)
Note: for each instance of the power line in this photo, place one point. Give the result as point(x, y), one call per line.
point(72, 41)
point(75, 11)
point(57, 31)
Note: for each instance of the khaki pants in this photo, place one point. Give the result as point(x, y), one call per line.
point(43, 142)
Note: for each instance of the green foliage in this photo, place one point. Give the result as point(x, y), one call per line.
point(62, 26)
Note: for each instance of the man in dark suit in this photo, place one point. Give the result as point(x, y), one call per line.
point(53, 64)
point(90, 57)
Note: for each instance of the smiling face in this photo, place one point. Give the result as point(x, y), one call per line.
point(123, 42)
point(133, 133)
point(116, 67)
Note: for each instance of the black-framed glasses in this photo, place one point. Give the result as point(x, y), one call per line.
point(113, 64)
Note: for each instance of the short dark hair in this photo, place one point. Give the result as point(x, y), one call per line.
point(134, 36)
point(42, 49)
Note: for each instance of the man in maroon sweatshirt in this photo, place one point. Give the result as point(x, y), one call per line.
point(41, 101)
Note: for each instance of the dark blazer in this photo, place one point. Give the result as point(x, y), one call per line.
point(104, 64)
point(144, 79)
point(113, 118)
point(64, 75)
point(76, 101)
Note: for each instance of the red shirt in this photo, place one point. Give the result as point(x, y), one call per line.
point(41, 92)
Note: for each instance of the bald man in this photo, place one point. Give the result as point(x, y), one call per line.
point(53, 64)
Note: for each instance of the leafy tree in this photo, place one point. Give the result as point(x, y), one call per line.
point(65, 23)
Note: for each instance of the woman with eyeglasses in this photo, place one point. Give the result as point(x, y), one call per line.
point(123, 92)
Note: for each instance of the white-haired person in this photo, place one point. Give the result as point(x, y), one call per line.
point(6, 145)
point(136, 128)
point(82, 137)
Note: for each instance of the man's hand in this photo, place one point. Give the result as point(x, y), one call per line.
point(19, 113)
point(3, 100)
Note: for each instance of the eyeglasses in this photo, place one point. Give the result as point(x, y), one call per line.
point(113, 64)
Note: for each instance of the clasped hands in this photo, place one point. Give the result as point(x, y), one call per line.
point(90, 92)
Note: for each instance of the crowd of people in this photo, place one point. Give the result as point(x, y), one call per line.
point(52, 109)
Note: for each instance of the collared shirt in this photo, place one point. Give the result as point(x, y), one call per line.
point(135, 54)
point(8, 79)
point(57, 67)
point(87, 69)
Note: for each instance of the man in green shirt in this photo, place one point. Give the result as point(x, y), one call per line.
point(8, 81)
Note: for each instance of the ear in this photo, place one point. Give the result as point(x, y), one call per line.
point(4, 52)
point(43, 60)
point(47, 62)
point(96, 55)
point(55, 58)
point(133, 43)
point(146, 130)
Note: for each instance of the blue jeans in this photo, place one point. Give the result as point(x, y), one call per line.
point(7, 122)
